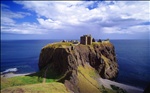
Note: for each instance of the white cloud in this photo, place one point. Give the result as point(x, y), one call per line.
point(6, 13)
point(128, 30)
point(49, 23)
point(115, 30)
point(121, 17)
point(7, 16)
point(24, 28)
point(139, 28)
point(132, 9)
point(10, 25)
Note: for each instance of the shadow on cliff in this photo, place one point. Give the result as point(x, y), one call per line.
point(147, 89)
point(41, 75)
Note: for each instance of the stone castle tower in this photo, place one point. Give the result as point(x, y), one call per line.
point(86, 39)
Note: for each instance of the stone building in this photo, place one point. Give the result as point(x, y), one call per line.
point(86, 40)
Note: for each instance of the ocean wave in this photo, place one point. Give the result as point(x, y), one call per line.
point(9, 70)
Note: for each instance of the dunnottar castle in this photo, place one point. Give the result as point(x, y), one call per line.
point(86, 40)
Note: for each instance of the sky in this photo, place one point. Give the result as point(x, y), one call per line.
point(71, 19)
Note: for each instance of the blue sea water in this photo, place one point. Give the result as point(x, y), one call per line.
point(133, 58)
point(22, 54)
point(134, 62)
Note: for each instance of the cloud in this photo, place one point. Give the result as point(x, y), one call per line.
point(7, 16)
point(128, 30)
point(49, 23)
point(120, 17)
point(10, 25)
point(24, 28)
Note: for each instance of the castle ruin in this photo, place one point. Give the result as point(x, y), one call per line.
point(86, 40)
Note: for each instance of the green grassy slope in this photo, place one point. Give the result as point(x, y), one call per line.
point(54, 87)
point(87, 81)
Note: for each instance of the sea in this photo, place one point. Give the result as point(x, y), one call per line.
point(133, 57)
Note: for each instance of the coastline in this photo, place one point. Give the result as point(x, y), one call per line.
point(9, 75)
point(105, 82)
point(130, 89)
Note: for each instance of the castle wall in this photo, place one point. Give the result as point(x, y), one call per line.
point(89, 40)
point(86, 40)
point(83, 40)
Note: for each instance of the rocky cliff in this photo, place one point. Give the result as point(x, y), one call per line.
point(66, 60)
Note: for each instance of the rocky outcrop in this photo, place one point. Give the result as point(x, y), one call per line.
point(64, 58)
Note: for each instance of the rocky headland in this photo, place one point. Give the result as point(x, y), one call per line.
point(79, 66)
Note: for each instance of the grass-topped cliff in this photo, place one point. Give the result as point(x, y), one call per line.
point(65, 56)
point(66, 67)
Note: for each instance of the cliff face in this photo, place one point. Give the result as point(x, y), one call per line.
point(65, 58)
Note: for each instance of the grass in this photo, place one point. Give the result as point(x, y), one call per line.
point(67, 44)
point(88, 71)
point(119, 90)
point(87, 87)
point(27, 83)
point(46, 75)
point(28, 79)
point(59, 45)
point(106, 90)
point(88, 81)
point(54, 87)
point(106, 43)
point(19, 80)
point(96, 43)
